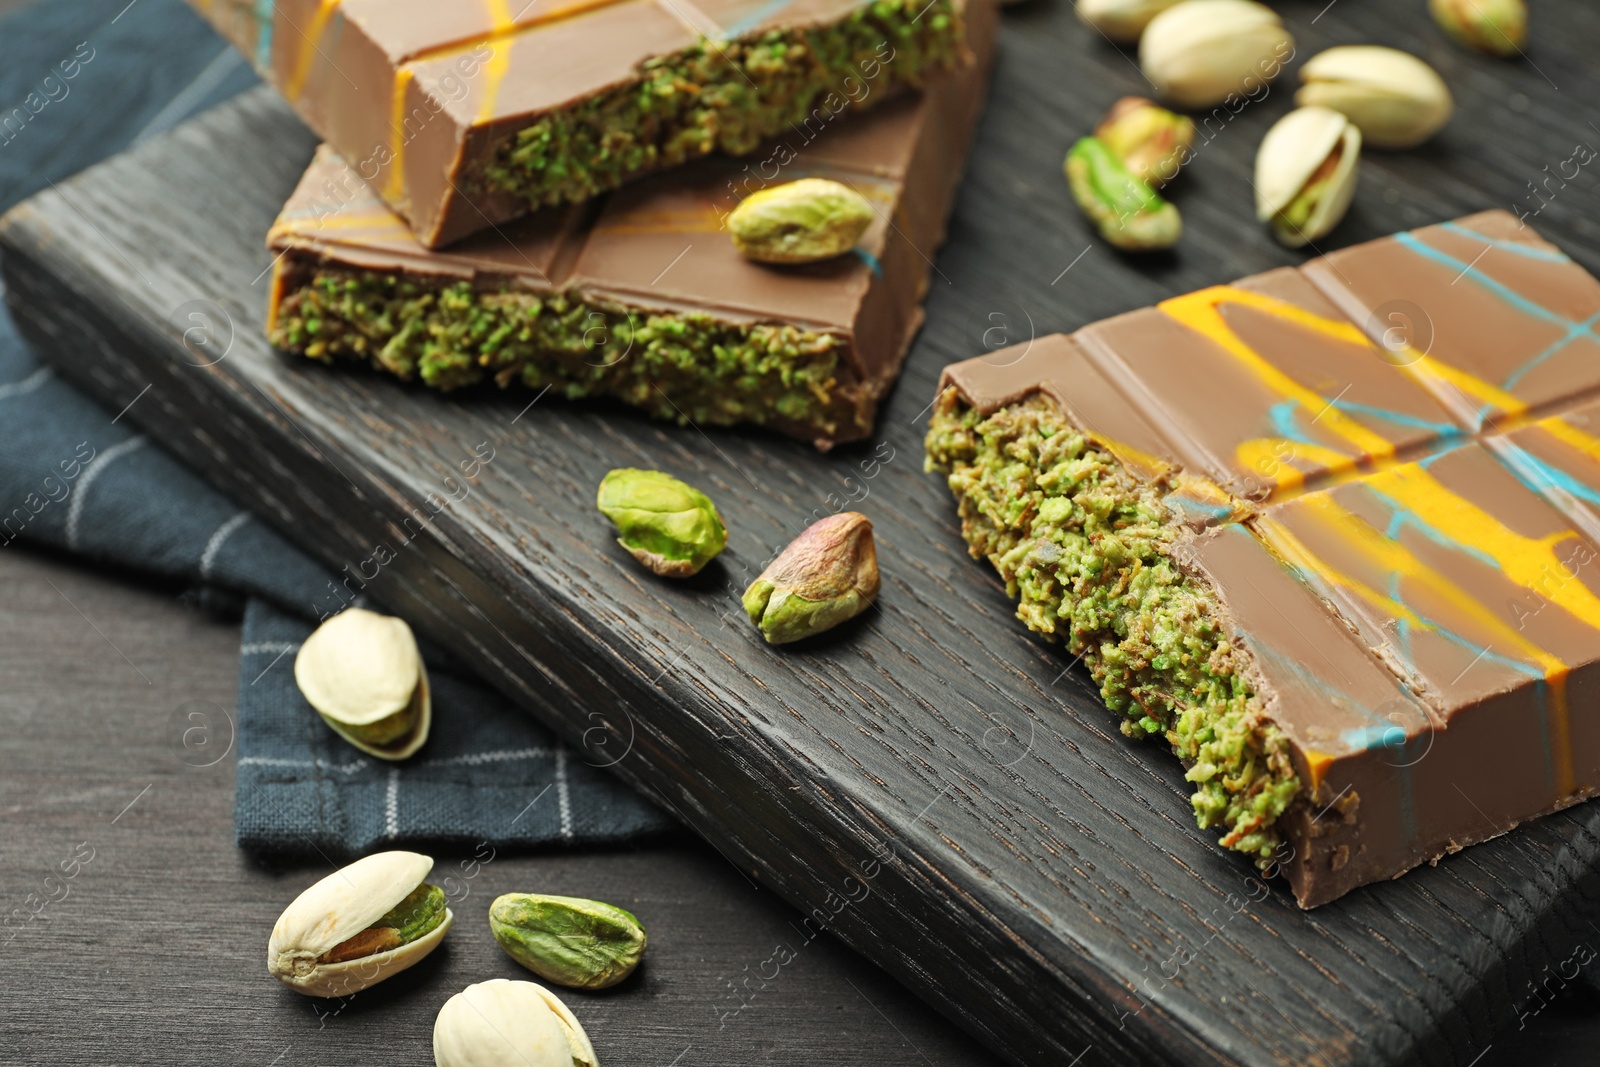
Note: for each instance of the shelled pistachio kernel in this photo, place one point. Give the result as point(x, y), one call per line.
point(799, 222)
point(570, 941)
point(669, 526)
point(501, 1023)
point(1306, 171)
point(1496, 27)
point(362, 673)
point(358, 926)
point(1123, 207)
point(1150, 140)
point(827, 575)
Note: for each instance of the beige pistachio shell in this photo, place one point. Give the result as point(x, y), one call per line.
point(1394, 98)
point(363, 674)
point(1121, 20)
point(1293, 151)
point(1200, 52)
point(337, 908)
point(501, 1023)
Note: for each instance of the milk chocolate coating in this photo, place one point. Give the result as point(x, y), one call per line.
point(419, 94)
point(1421, 596)
point(659, 244)
point(1485, 296)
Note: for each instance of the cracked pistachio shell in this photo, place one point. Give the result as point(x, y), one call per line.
point(1498, 27)
point(362, 673)
point(320, 944)
point(1127, 212)
point(669, 526)
point(1394, 98)
point(1150, 140)
point(799, 222)
point(573, 942)
point(827, 575)
point(1306, 173)
point(1200, 52)
point(1121, 20)
point(501, 1023)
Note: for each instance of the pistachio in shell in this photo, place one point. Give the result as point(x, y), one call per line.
point(359, 925)
point(501, 1023)
point(362, 673)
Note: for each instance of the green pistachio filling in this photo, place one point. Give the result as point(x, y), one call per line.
point(724, 96)
point(387, 730)
point(419, 914)
point(682, 366)
point(1085, 548)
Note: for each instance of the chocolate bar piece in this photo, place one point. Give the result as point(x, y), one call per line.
point(1364, 611)
point(644, 298)
point(468, 113)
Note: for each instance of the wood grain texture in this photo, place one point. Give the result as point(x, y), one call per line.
point(1039, 878)
point(154, 950)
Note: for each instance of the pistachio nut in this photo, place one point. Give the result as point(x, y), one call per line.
point(567, 940)
point(1498, 27)
point(1121, 20)
point(1306, 173)
point(1200, 52)
point(827, 575)
point(1127, 212)
point(1394, 98)
point(501, 1023)
point(1152, 141)
point(799, 222)
point(358, 926)
point(672, 528)
point(362, 673)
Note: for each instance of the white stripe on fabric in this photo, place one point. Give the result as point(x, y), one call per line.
point(391, 805)
point(562, 793)
point(221, 535)
point(27, 385)
point(91, 471)
point(256, 648)
point(268, 761)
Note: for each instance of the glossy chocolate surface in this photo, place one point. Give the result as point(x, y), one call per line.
point(418, 94)
point(660, 244)
point(1421, 596)
point(1485, 313)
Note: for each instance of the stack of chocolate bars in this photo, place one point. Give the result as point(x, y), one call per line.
point(1333, 532)
point(533, 192)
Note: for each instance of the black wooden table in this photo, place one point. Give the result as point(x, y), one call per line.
point(1037, 858)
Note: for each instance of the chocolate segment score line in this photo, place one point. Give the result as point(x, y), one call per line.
point(641, 295)
point(1387, 467)
point(464, 115)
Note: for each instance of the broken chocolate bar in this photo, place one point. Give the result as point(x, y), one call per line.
point(469, 113)
point(644, 298)
point(1347, 570)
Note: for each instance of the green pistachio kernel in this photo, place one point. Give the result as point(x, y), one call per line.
point(672, 528)
point(799, 222)
point(417, 915)
point(1497, 27)
point(573, 942)
point(1122, 205)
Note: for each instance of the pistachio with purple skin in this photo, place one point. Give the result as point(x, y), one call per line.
point(827, 575)
point(1498, 27)
point(1152, 141)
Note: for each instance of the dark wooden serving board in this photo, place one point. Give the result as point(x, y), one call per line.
point(933, 784)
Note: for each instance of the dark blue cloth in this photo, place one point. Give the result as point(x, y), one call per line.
point(91, 78)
